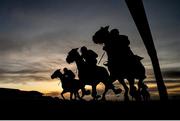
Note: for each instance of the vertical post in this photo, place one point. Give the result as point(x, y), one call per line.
point(137, 11)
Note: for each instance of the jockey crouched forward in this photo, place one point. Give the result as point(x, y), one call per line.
point(70, 76)
point(90, 58)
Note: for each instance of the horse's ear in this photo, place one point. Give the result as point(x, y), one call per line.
point(74, 49)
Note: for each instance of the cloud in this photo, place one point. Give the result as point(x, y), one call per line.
point(27, 71)
point(8, 44)
point(36, 35)
point(171, 74)
point(29, 68)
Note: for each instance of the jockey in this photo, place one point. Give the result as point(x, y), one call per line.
point(89, 56)
point(114, 46)
point(68, 74)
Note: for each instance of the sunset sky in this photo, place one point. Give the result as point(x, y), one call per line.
point(36, 35)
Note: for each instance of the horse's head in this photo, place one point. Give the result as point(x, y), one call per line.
point(101, 35)
point(72, 56)
point(56, 74)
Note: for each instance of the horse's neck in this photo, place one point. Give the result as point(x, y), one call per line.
point(79, 63)
point(61, 77)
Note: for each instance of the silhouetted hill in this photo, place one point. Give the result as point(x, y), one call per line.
point(17, 104)
point(18, 94)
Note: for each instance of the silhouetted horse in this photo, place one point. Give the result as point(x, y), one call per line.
point(131, 69)
point(88, 77)
point(72, 86)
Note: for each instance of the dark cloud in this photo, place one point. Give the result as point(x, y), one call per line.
point(163, 20)
point(35, 35)
point(27, 71)
point(171, 74)
point(165, 80)
point(154, 89)
point(8, 45)
point(22, 79)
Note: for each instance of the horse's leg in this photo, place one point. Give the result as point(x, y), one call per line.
point(132, 87)
point(71, 95)
point(83, 90)
point(94, 92)
point(63, 93)
point(77, 95)
point(133, 91)
point(109, 85)
point(105, 91)
point(140, 84)
point(126, 97)
point(82, 87)
point(140, 87)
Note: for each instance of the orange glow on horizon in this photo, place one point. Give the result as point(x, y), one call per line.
point(53, 88)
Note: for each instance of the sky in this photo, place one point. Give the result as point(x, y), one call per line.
point(36, 35)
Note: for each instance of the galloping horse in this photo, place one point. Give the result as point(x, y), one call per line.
point(89, 77)
point(133, 70)
point(72, 86)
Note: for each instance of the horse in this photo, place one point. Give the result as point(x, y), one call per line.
point(88, 77)
point(72, 86)
point(135, 71)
